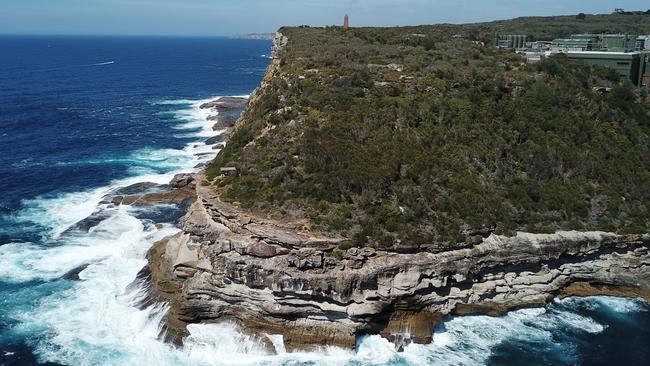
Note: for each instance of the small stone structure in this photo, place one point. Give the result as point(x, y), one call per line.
point(229, 171)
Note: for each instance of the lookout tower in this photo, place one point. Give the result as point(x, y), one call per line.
point(346, 22)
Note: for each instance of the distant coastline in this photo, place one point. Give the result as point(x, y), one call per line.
point(255, 36)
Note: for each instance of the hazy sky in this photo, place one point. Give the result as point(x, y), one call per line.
point(218, 17)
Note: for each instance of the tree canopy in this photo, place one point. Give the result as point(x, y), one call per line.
point(403, 137)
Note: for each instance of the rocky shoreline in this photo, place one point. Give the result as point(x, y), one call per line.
point(275, 277)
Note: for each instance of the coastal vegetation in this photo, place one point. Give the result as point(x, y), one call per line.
point(404, 137)
point(548, 28)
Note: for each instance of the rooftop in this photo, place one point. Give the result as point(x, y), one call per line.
point(606, 53)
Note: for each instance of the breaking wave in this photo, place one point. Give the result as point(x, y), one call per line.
point(90, 318)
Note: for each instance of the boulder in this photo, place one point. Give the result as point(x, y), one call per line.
point(175, 196)
point(263, 250)
point(137, 188)
point(181, 180)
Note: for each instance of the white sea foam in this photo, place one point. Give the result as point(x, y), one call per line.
point(173, 102)
point(94, 321)
point(57, 213)
point(194, 118)
point(622, 305)
point(614, 304)
point(571, 321)
point(470, 340)
point(206, 341)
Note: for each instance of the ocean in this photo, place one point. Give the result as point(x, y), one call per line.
point(83, 116)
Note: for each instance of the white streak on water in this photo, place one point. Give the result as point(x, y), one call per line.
point(103, 63)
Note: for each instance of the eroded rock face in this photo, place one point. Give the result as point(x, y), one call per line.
point(273, 278)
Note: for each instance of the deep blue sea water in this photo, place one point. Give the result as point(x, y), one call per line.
point(81, 116)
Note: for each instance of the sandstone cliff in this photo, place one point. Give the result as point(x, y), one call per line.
point(274, 278)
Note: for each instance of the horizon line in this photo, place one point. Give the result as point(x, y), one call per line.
point(118, 35)
point(163, 35)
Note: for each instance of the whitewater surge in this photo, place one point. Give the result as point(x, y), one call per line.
point(92, 320)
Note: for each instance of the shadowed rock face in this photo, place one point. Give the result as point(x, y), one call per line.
point(222, 121)
point(216, 139)
point(273, 278)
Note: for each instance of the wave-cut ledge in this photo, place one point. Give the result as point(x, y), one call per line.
point(274, 279)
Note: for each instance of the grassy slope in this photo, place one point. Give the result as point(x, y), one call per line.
point(463, 140)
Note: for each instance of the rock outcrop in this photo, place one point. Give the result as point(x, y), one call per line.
point(182, 180)
point(225, 104)
point(274, 277)
point(222, 122)
point(228, 111)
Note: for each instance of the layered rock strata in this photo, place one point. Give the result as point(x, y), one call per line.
point(274, 277)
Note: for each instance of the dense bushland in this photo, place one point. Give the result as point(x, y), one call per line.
point(405, 137)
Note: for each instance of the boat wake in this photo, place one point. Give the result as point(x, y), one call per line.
point(103, 63)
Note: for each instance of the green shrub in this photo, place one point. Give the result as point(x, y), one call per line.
point(347, 245)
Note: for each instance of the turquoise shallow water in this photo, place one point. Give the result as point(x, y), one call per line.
point(80, 117)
